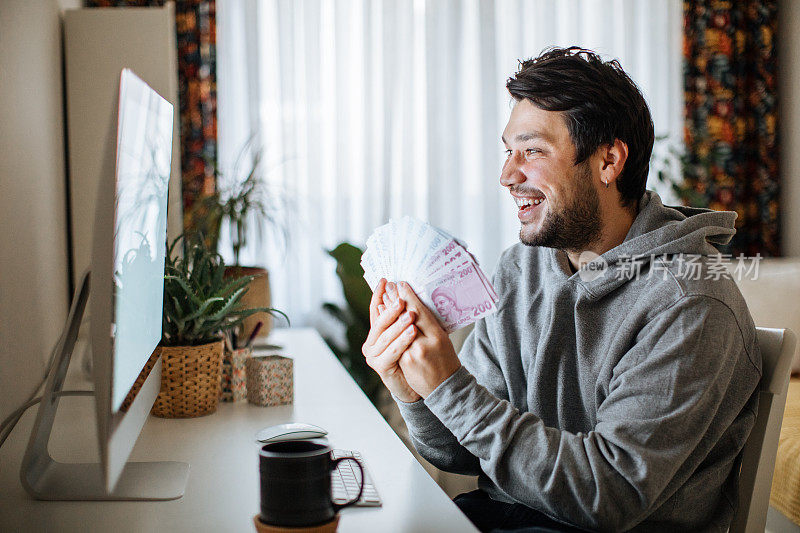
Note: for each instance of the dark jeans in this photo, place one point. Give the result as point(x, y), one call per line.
point(500, 517)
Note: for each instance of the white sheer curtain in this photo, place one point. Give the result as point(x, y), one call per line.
point(371, 109)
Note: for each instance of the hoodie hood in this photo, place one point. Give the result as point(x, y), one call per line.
point(661, 230)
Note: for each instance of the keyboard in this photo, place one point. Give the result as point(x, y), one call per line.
point(346, 479)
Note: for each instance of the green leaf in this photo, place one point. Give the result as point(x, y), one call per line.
point(355, 318)
point(199, 302)
point(204, 308)
point(229, 305)
point(348, 268)
point(235, 284)
point(337, 312)
point(185, 286)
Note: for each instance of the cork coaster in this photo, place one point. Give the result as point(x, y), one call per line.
point(328, 527)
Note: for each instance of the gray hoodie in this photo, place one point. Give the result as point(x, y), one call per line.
point(620, 402)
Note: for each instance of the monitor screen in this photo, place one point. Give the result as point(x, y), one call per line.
point(126, 303)
point(144, 138)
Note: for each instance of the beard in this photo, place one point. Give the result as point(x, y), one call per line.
point(577, 224)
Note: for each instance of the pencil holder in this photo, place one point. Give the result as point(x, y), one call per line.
point(233, 386)
point(269, 380)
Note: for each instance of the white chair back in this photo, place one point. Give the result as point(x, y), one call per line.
point(758, 457)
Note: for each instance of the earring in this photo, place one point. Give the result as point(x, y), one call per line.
point(606, 184)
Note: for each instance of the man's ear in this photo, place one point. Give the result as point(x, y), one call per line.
point(612, 158)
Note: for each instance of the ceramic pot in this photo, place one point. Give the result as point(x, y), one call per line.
point(257, 295)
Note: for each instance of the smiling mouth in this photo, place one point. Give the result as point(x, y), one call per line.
point(528, 204)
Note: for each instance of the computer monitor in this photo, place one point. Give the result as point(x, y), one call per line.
point(125, 293)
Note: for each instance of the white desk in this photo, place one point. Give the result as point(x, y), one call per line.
point(223, 492)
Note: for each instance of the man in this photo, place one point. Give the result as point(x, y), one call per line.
point(612, 401)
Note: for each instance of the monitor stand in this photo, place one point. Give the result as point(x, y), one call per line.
point(46, 479)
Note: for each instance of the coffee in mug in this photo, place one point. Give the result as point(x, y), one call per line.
point(296, 483)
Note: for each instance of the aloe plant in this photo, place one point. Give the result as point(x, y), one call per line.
point(200, 304)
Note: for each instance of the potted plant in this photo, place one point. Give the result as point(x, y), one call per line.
point(352, 320)
point(200, 306)
point(672, 165)
point(243, 199)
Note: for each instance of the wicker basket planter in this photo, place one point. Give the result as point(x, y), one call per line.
point(190, 379)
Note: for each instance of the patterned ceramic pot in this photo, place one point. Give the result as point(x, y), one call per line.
point(233, 387)
point(269, 380)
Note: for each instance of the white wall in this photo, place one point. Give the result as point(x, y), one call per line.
point(789, 88)
point(98, 44)
point(33, 234)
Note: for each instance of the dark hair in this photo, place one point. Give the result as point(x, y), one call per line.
point(599, 102)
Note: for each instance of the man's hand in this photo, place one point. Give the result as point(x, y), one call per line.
point(391, 332)
point(431, 358)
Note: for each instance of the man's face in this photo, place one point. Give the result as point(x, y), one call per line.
point(558, 204)
point(443, 305)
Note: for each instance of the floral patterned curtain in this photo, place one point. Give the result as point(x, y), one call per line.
point(197, 92)
point(731, 116)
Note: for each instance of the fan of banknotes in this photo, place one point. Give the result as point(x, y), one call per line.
point(443, 274)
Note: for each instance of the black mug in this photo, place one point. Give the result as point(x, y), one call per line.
point(296, 483)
